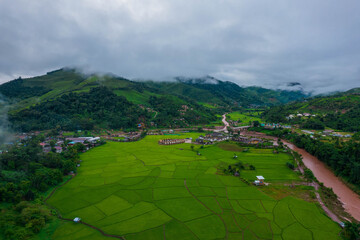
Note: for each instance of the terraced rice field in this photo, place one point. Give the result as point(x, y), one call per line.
point(142, 190)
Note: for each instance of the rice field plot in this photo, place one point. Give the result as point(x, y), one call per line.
point(242, 118)
point(143, 190)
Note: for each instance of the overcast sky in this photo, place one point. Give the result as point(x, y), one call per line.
point(250, 42)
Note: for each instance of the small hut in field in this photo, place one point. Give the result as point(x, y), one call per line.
point(260, 181)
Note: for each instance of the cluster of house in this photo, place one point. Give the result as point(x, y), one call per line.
point(247, 140)
point(184, 108)
point(211, 138)
point(174, 141)
point(123, 137)
point(327, 133)
point(167, 131)
point(155, 133)
point(47, 147)
point(83, 140)
point(334, 134)
point(60, 145)
point(274, 125)
point(291, 116)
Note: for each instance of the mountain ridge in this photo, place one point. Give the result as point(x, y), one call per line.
point(67, 98)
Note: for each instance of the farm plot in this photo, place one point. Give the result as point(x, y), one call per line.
point(142, 190)
point(243, 119)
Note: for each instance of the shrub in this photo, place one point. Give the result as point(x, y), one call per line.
point(290, 165)
point(309, 174)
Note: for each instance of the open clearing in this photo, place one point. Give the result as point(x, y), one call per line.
point(142, 190)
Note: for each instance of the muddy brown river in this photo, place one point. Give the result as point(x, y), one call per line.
point(348, 197)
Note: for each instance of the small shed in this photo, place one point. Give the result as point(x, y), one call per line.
point(77, 219)
point(259, 181)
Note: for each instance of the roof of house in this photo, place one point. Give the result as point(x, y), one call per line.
point(260, 177)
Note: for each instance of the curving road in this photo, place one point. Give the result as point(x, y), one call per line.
point(226, 125)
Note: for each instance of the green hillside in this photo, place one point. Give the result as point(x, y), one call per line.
point(66, 99)
point(340, 111)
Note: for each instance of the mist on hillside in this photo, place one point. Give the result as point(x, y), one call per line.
point(5, 130)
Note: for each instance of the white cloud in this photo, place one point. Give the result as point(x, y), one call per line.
point(265, 43)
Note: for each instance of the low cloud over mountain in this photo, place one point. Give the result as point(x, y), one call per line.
point(262, 43)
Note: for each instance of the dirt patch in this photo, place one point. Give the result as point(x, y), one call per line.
point(230, 147)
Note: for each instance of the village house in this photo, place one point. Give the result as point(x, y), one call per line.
point(216, 137)
point(307, 131)
point(200, 140)
point(188, 140)
point(211, 138)
point(155, 133)
point(58, 149)
point(274, 125)
point(255, 141)
point(260, 181)
point(291, 116)
point(327, 132)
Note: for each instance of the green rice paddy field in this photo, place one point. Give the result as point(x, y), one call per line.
point(243, 118)
point(142, 190)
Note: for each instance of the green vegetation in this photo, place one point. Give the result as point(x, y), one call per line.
point(143, 190)
point(340, 112)
point(243, 118)
point(23, 220)
point(26, 171)
point(26, 176)
point(101, 107)
point(79, 111)
point(351, 231)
point(16, 89)
point(341, 157)
point(65, 98)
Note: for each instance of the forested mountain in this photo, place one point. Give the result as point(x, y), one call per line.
point(340, 111)
point(71, 100)
point(212, 90)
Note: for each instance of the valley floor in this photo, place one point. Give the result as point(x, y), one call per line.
point(143, 190)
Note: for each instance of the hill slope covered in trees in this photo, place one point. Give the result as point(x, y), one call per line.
point(340, 111)
point(70, 100)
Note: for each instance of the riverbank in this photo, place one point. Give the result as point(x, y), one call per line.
point(349, 199)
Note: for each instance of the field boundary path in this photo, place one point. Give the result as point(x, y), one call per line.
point(71, 220)
point(328, 212)
point(322, 204)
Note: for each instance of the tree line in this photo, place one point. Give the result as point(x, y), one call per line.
point(343, 157)
point(25, 174)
